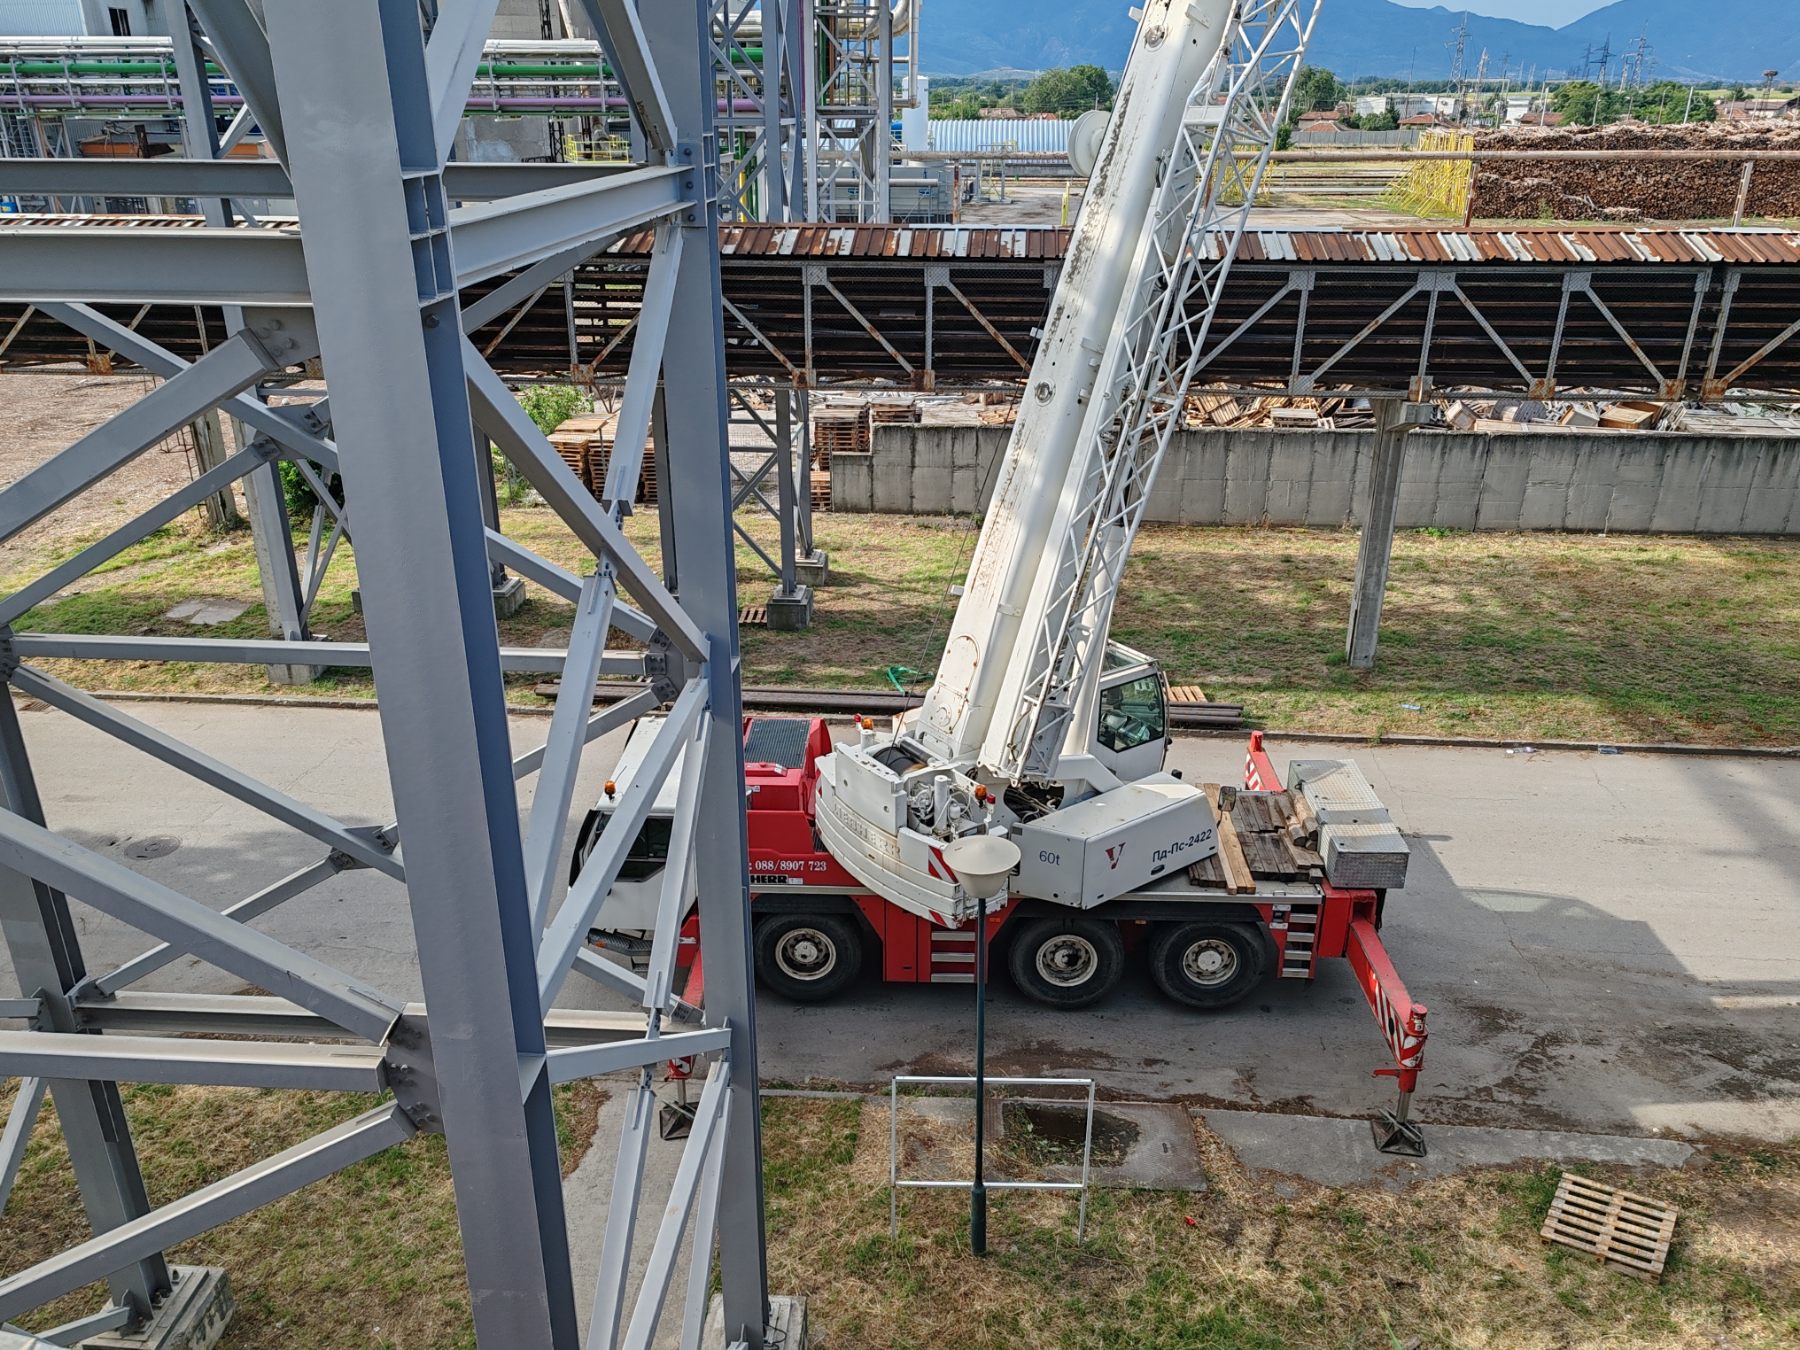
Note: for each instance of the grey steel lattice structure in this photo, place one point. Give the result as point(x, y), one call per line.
point(361, 105)
point(864, 66)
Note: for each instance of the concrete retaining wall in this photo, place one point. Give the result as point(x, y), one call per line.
point(1628, 482)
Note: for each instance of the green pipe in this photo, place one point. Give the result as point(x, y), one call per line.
point(540, 70)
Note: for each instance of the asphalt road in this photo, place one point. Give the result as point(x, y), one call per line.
point(1606, 942)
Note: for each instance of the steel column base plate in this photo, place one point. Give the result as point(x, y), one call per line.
point(193, 1317)
point(1396, 1136)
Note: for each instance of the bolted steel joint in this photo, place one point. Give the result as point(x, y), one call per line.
point(666, 667)
point(9, 654)
point(411, 1074)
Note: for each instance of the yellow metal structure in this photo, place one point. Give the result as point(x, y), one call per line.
point(1438, 189)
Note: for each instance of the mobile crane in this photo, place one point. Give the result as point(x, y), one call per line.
point(1038, 727)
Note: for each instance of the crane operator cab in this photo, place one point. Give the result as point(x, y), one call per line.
point(1131, 734)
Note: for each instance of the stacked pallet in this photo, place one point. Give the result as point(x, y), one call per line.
point(581, 442)
point(646, 484)
point(1638, 185)
point(895, 412)
point(1209, 408)
point(840, 429)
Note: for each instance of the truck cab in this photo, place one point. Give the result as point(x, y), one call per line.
point(1131, 733)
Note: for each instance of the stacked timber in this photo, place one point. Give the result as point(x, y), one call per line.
point(895, 412)
point(1638, 185)
point(840, 429)
point(581, 442)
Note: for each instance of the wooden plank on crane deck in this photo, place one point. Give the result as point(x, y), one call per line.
point(1239, 879)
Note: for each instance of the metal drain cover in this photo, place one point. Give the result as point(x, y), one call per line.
point(152, 846)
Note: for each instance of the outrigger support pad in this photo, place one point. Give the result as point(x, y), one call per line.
point(1395, 1134)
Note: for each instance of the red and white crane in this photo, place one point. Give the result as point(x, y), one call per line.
point(1037, 727)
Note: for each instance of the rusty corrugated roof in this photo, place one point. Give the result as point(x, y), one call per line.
point(1599, 246)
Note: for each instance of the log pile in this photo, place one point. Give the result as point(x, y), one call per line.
point(1638, 186)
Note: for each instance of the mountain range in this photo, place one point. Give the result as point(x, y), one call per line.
point(1724, 40)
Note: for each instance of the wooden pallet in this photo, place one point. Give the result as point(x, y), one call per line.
point(753, 616)
point(1187, 693)
point(1630, 1233)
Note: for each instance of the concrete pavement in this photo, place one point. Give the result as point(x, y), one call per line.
point(1606, 942)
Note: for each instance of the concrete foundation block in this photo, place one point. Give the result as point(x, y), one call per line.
point(787, 1324)
point(791, 613)
point(193, 1317)
point(814, 570)
point(509, 597)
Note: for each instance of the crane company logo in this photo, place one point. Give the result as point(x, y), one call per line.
point(1113, 854)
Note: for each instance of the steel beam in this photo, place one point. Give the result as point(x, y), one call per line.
point(622, 36)
point(41, 941)
point(383, 270)
point(132, 898)
point(1393, 420)
point(621, 1216)
point(153, 1059)
point(206, 1208)
point(568, 930)
point(16, 1137)
point(268, 898)
point(591, 1061)
point(184, 267)
point(214, 773)
point(498, 413)
point(710, 1121)
point(549, 818)
point(172, 507)
point(633, 430)
point(262, 652)
point(451, 57)
point(238, 177)
point(210, 381)
point(279, 426)
point(493, 238)
point(696, 455)
point(241, 45)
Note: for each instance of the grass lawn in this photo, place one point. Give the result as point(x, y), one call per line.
point(371, 1257)
point(1522, 636)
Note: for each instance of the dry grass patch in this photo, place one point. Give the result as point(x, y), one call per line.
point(370, 1257)
point(1623, 639)
point(1259, 1262)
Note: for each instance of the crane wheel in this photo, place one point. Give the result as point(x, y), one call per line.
point(808, 957)
point(1207, 965)
point(1067, 963)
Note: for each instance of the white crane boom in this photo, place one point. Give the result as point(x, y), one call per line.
point(1017, 694)
point(1107, 389)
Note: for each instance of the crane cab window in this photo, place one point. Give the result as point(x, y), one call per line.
point(1132, 714)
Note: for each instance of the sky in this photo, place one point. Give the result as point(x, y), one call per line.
point(1556, 13)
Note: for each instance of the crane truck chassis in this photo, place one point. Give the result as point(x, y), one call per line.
point(1037, 728)
point(1263, 907)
